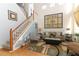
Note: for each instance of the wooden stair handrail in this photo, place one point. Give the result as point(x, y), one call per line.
point(20, 24)
point(25, 20)
point(11, 33)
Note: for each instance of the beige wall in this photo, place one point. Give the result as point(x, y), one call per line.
point(67, 16)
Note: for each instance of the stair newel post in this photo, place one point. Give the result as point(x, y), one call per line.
point(11, 39)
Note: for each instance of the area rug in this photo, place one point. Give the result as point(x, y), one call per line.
point(47, 49)
point(35, 48)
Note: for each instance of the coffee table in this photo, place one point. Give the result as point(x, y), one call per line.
point(53, 41)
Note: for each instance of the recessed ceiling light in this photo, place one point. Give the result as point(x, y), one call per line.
point(44, 7)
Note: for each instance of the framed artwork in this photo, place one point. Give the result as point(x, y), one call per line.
point(12, 15)
point(53, 21)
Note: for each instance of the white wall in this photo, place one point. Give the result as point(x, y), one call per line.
point(26, 7)
point(5, 23)
point(66, 9)
point(29, 8)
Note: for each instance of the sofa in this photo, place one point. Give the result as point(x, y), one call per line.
point(53, 38)
point(53, 34)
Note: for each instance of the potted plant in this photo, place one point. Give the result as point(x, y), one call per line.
point(77, 34)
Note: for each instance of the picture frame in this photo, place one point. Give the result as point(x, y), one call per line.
point(53, 21)
point(12, 15)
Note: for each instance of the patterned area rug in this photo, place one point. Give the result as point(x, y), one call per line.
point(51, 50)
point(55, 50)
point(35, 48)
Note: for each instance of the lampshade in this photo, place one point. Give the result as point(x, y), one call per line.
point(76, 15)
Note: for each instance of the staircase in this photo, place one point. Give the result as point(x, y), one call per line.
point(16, 33)
point(21, 32)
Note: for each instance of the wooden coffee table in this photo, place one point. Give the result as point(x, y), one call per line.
point(53, 41)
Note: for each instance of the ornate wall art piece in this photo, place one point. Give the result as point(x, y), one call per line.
point(53, 21)
point(12, 15)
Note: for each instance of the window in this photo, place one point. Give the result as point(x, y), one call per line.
point(53, 20)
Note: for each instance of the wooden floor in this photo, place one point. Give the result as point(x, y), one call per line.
point(19, 52)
